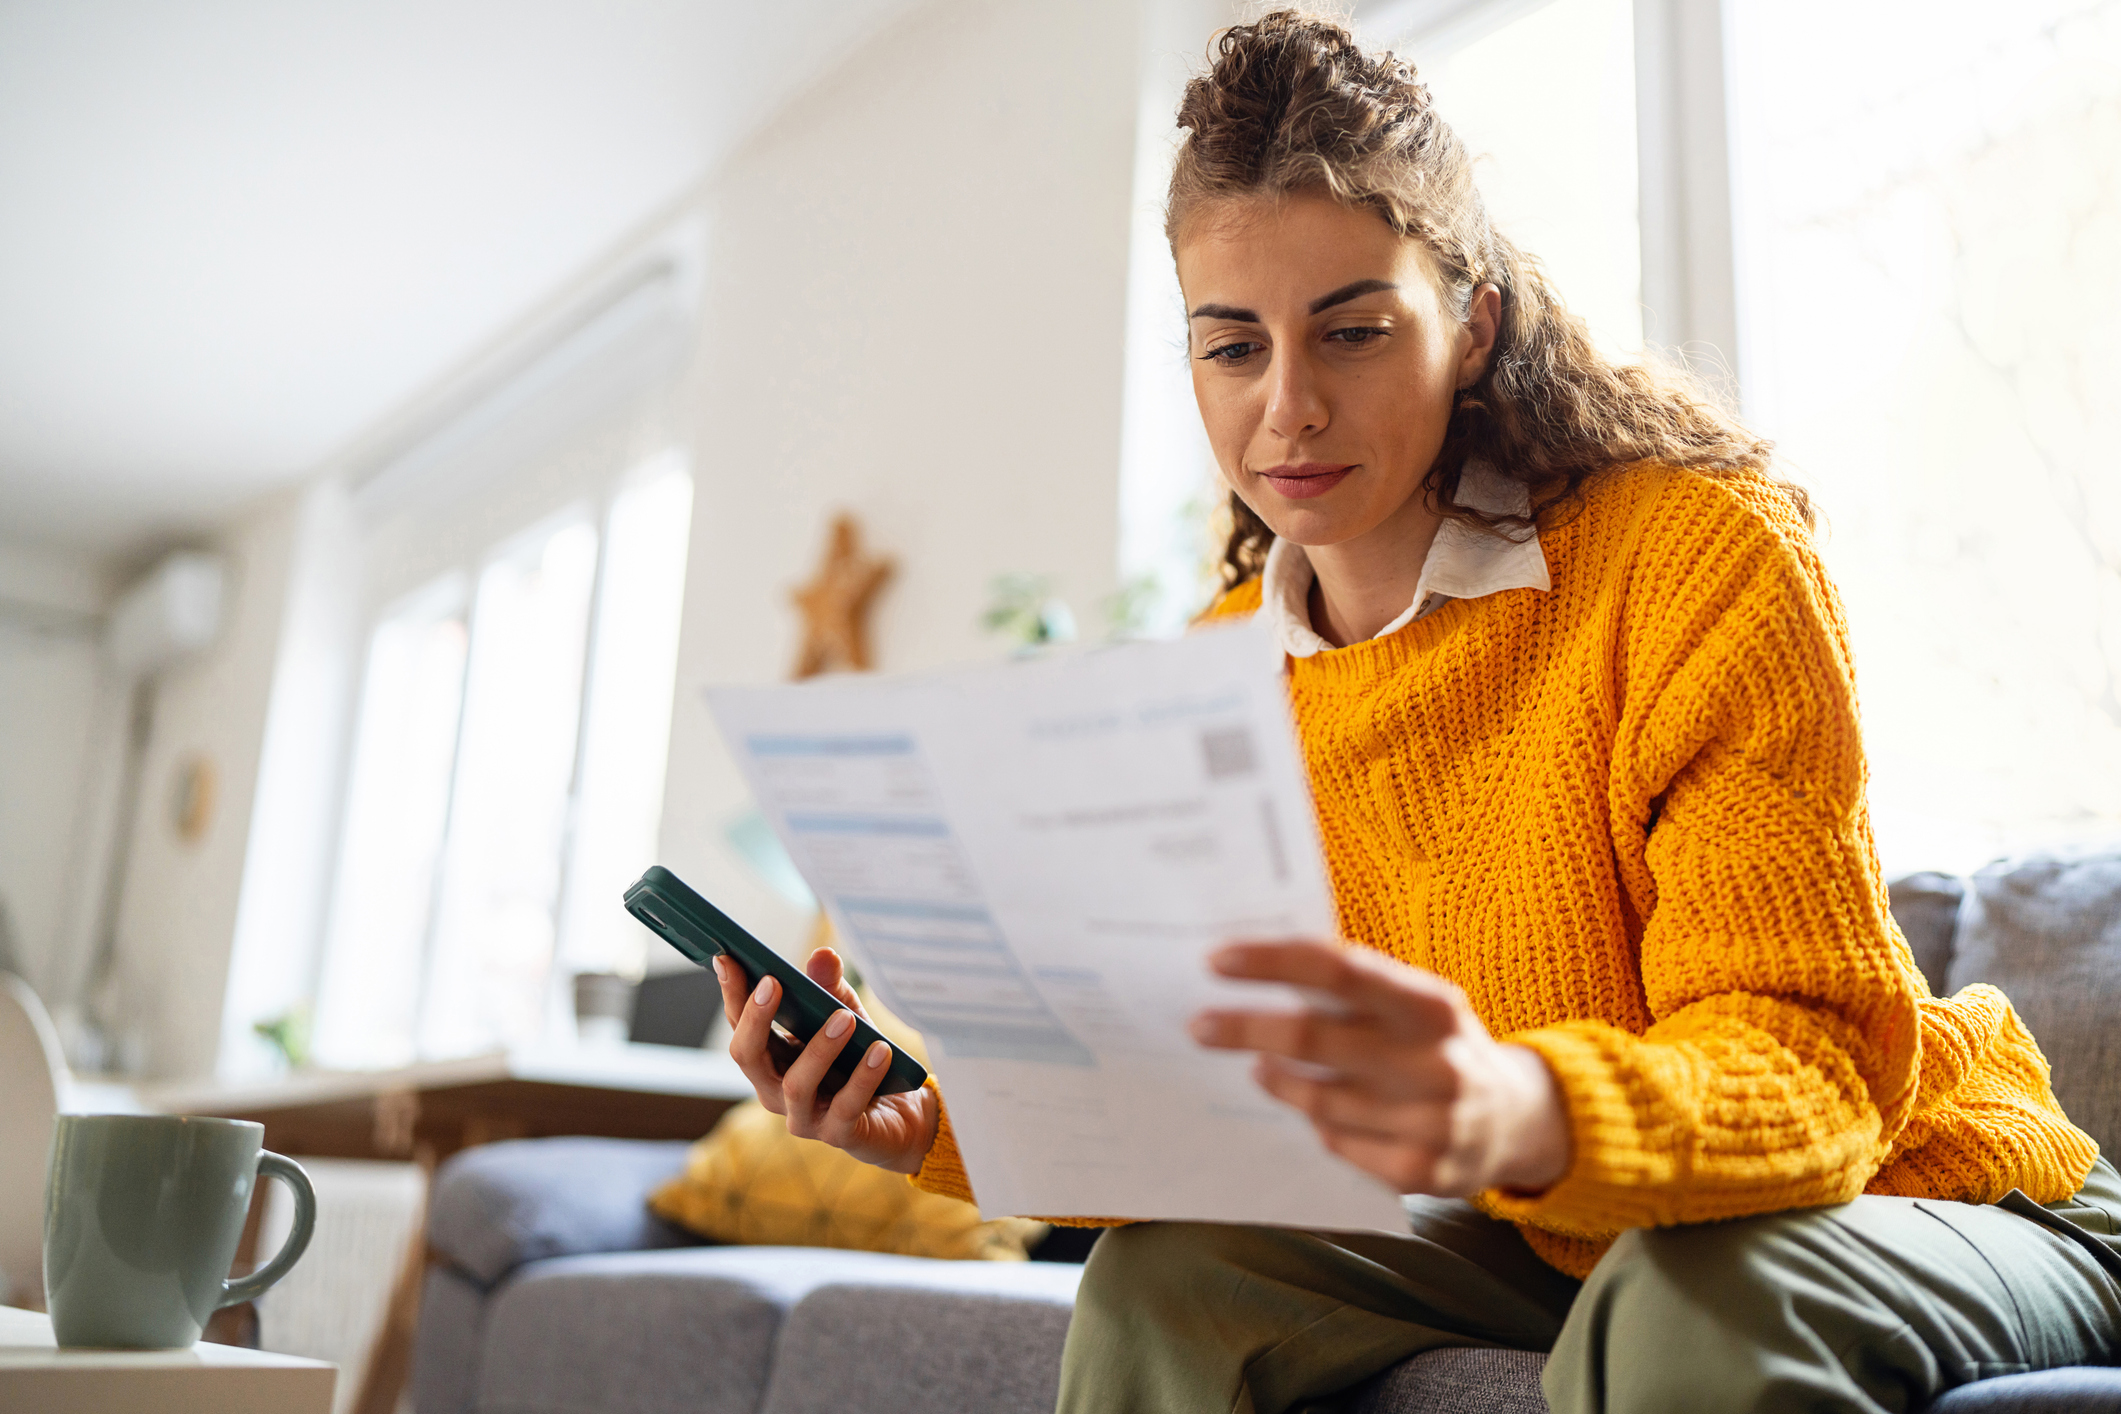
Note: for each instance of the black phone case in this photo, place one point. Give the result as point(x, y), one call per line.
point(699, 930)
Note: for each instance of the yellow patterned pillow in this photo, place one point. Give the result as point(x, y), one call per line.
point(752, 1182)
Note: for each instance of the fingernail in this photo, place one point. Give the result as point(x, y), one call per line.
point(764, 994)
point(837, 1027)
point(878, 1054)
point(718, 967)
point(1201, 1028)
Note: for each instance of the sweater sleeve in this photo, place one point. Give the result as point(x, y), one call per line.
point(943, 1171)
point(1780, 1059)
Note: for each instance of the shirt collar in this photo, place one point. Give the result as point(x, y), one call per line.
point(1464, 562)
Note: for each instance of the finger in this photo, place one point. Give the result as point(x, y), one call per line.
point(1357, 1048)
point(826, 968)
point(735, 986)
point(1405, 1167)
point(1288, 1033)
point(1307, 1034)
point(1354, 1107)
point(1300, 962)
point(837, 1125)
point(800, 1083)
point(748, 1043)
point(1413, 1002)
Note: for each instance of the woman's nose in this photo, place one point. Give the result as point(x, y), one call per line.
point(1296, 406)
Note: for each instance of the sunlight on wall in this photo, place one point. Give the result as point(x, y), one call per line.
point(1930, 207)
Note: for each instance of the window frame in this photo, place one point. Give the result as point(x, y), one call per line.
point(1683, 161)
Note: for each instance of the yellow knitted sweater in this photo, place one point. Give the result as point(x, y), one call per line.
point(1627, 817)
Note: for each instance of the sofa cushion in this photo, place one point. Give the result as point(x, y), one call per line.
point(497, 1206)
point(2047, 930)
point(753, 1182)
point(2080, 1389)
point(684, 1332)
point(1456, 1381)
point(1926, 906)
point(982, 1337)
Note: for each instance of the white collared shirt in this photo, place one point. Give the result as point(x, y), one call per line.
point(1464, 562)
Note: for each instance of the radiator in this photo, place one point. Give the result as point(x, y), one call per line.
point(332, 1304)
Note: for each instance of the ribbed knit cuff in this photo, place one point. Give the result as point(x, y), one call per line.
point(1615, 1177)
point(943, 1170)
point(1651, 1144)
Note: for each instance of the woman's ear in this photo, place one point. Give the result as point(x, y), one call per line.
point(1483, 318)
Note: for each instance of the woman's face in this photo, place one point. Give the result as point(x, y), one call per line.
point(1324, 360)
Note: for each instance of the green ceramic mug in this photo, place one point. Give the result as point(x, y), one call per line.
point(142, 1214)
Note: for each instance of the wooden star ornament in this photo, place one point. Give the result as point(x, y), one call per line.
point(835, 603)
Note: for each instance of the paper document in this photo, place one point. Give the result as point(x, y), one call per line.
point(1030, 862)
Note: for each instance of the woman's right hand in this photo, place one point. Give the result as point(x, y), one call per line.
point(891, 1131)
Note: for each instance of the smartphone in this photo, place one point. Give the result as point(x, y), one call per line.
point(699, 930)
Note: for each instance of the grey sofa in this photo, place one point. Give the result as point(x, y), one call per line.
point(554, 1291)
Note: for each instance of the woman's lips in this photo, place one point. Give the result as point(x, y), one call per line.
point(1302, 482)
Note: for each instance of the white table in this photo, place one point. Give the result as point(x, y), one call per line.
point(36, 1377)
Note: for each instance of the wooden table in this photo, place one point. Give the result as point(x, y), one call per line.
point(36, 1377)
point(427, 1112)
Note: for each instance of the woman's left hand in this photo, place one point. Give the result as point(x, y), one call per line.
point(1396, 1072)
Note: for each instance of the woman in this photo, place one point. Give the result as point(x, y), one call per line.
point(1627, 1019)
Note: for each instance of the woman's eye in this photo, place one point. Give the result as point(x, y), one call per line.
point(1230, 353)
point(1357, 338)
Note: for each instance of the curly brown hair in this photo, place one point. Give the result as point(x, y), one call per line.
point(1292, 103)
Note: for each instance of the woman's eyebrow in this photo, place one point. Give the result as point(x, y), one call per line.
point(1348, 292)
point(1318, 306)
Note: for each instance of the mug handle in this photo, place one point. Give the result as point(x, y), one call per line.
point(250, 1288)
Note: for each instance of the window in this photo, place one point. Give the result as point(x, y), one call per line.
point(1546, 105)
point(1929, 201)
point(493, 922)
point(397, 803)
point(506, 784)
point(632, 682)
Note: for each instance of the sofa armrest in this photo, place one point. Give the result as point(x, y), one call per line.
point(497, 1206)
point(1926, 906)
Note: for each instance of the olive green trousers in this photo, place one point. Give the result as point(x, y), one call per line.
point(1879, 1304)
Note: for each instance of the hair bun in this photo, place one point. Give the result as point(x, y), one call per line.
point(1291, 86)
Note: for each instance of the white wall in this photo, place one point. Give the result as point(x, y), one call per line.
point(915, 310)
point(52, 692)
point(1168, 483)
point(177, 915)
point(295, 808)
